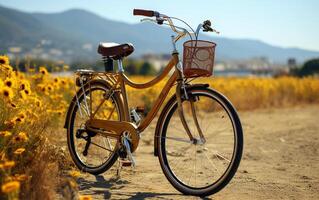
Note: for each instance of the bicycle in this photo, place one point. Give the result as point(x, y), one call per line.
point(198, 137)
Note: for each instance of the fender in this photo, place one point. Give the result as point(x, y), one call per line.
point(73, 101)
point(160, 120)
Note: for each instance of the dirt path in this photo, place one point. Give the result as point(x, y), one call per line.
point(280, 161)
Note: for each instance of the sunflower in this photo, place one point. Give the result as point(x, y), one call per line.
point(4, 60)
point(8, 164)
point(19, 151)
point(13, 105)
point(21, 137)
point(10, 187)
point(22, 115)
point(50, 88)
point(27, 91)
point(24, 85)
point(5, 133)
point(43, 70)
point(9, 82)
point(41, 87)
point(7, 93)
point(38, 103)
point(56, 80)
point(10, 123)
point(18, 119)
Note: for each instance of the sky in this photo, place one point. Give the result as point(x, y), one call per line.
point(286, 23)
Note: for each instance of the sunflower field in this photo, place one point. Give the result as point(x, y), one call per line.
point(33, 107)
point(30, 103)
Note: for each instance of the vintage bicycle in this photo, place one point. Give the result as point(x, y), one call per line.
point(198, 137)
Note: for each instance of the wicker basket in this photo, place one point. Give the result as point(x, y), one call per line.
point(198, 58)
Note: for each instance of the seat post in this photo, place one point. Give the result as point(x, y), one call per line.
point(120, 65)
point(108, 64)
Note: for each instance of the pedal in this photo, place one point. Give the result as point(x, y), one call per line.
point(126, 163)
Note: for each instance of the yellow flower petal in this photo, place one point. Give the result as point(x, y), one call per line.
point(11, 186)
point(19, 151)
point(74, 173)
point(5, 133)
point(85, 197)
point(8, 164)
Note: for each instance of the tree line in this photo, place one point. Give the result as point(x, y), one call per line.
point(309, 68)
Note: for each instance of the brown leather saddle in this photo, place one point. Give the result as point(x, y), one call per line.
point(115, 51)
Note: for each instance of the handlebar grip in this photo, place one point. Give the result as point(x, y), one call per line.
point(147, 13)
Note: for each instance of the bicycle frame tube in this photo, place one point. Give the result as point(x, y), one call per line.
point(156, 106)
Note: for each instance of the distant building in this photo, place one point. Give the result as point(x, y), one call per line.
point(158, 61)
point(291, 62)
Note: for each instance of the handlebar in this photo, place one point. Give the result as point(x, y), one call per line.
point(147, 13)
point(160, 18)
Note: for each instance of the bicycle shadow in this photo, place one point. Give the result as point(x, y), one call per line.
point(101, 186)
point(159, 195)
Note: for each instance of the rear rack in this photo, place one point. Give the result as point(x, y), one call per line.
point(85, 76)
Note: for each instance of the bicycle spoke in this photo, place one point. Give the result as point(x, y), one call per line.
point(195, 162)
point(211, 162)
point(220, 156)
point(85, 109)
point(177, 139)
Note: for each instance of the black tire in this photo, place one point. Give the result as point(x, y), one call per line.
point(166, 154)
point(76, 154)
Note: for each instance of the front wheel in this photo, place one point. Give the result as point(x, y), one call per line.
point(205, 165)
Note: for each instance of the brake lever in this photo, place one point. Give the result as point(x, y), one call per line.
point(211, 30)
point(158, 20)
point(217, 32)
point(207, 27)
point(148, 19)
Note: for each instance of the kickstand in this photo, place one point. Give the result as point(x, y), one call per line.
point(121, 164)
point(119, 168)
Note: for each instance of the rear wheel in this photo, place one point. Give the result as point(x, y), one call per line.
point(93, 152)
point(205, 166)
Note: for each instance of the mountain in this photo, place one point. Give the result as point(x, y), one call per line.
point(75, 34)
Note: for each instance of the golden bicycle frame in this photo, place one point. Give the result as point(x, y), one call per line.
point(119, 80)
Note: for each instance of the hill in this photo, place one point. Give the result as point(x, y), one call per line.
point(75, 34)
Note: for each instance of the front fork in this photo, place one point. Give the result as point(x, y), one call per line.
point(181, 88)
